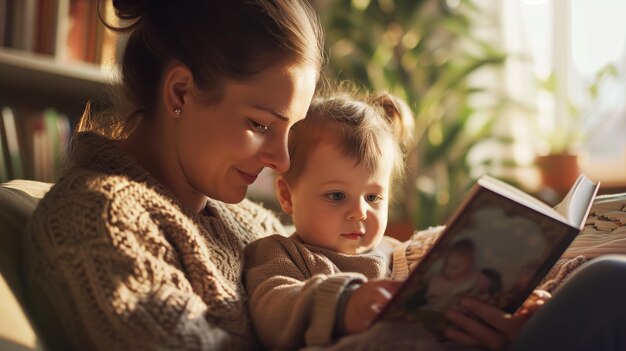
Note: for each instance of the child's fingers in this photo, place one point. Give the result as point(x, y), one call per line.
point(390, 285)
point(379, 299)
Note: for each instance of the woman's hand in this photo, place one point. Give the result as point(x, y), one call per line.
point(532, 304)
point(490, 326)
point(366, 302)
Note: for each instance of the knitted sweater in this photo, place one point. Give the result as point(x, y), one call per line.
point(115, 262)
point(294, 288)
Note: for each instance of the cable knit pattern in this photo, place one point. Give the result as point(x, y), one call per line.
point(294, 288)
point(115, 262)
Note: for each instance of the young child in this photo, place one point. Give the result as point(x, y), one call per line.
point(345, 156)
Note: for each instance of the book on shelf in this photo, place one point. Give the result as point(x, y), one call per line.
point(497, 247)
point(36, 141)
point(77, 35)
point(45, 27)
point(13, 153)
point(21, 33)
point(67, 30)
point(3, 21)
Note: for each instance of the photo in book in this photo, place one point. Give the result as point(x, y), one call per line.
point(497, 247)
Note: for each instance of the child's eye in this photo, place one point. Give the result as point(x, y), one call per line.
point(374, 198)
point(259, 128)
point(336, 196)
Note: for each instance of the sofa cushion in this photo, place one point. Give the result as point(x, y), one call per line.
point(18, 199)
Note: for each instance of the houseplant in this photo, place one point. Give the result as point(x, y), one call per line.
point(558, 144)
point(425, 51)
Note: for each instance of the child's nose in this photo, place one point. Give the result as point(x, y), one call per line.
point(357, 212)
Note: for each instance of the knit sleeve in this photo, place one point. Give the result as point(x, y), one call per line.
point(290, 305)
point(113, 283)
point(407, 255)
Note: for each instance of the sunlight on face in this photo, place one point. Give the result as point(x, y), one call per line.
point(222, 147)
point(339, 205)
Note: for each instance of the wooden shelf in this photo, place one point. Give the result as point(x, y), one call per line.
point(33, 75)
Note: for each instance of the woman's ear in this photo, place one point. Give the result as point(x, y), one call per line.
point(284, 195)
point(177, 85)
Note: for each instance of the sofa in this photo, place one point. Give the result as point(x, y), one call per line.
point(18, 199)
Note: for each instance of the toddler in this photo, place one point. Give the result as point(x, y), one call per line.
point(345, 156)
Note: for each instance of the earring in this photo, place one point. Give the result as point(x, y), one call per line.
point(178, 111)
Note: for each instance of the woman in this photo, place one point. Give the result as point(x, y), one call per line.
point(139, 245)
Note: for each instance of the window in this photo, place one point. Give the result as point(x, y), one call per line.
point(569, 71)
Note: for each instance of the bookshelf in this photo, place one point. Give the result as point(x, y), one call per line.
point(55, 56)
point(43, 80)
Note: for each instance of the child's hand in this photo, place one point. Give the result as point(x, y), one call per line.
point(366, 302)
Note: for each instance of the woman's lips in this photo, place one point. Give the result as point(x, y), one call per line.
point(247, 177)
point(352, 236)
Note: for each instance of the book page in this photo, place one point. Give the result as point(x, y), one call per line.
point(519, 196)
point(575, 205)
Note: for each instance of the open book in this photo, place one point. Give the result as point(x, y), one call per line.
point(497, 247)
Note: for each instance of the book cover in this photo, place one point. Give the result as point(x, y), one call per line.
point(45, 26)
point(56, 135)
point(77, 32)
point(23, 31)
point(92, 36)
point(62, 28)
point(497, 247)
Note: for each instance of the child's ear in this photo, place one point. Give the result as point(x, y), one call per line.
point(284, 195)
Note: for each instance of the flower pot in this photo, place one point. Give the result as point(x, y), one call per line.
point(558, 171)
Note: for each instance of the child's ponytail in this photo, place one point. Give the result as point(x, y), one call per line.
point(398, 115)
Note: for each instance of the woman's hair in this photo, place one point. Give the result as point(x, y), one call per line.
point(359, 127)
point(218, 40)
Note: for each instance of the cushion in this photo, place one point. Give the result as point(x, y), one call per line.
point(18, 199)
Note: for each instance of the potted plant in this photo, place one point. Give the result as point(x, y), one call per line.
point(558, 154)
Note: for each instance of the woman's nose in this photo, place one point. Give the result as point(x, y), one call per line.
point(276, 156)
point(357, 212)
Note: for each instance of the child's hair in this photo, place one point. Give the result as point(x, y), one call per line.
point(359, 127)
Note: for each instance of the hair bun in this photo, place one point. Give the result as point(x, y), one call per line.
point(399, 116)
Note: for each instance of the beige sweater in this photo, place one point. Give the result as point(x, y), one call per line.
point(115, 262)
point(294, 288)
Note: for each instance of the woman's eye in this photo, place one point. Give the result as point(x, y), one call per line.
point(259, 128)
point(336, 196)
point(374, 198)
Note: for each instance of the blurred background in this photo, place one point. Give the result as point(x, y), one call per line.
point(529, 91)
